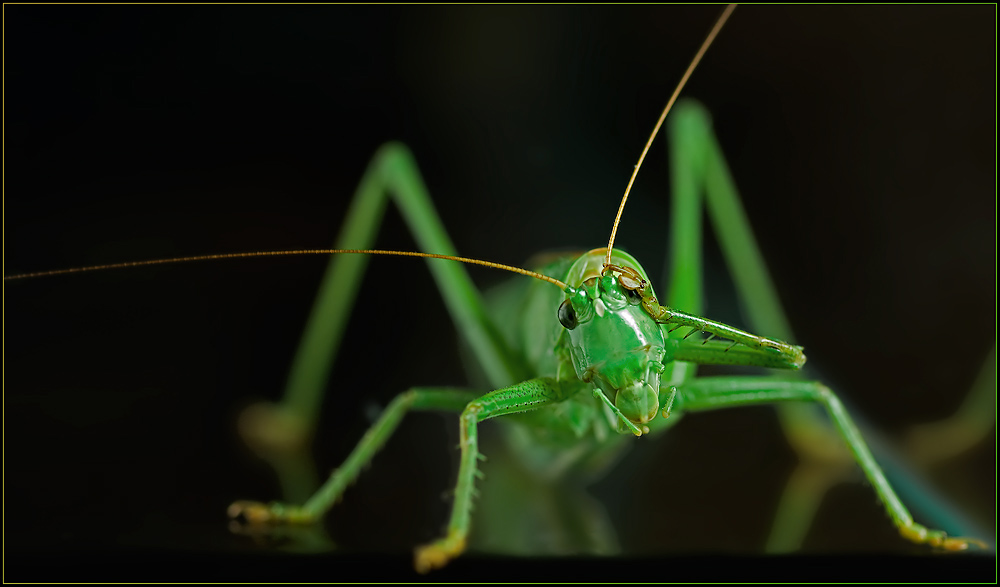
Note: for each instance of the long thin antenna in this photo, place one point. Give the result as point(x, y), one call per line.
point(128, 264)
point(656, 129)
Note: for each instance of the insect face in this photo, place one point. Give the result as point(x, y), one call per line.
point(615, 344)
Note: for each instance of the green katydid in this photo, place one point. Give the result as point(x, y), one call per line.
point(602, 221)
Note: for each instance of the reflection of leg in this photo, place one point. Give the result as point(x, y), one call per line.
point(937, 441)
point(521, 514)
point(591, 523)
point(722, 392)
point(797, 508)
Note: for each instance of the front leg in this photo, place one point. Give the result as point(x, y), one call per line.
point(522, 397)
point(420, 399)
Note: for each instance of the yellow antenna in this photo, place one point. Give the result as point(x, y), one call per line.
point(219, 256)
point(656, 129)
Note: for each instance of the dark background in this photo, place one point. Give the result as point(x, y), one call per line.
point(862, 138)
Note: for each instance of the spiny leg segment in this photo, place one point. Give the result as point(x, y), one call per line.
point(528, 395)
point(418, 399)
point(525, 396)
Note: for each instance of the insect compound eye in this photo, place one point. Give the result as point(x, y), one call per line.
point(633, 296)
point(567, 315)
point(632, 285)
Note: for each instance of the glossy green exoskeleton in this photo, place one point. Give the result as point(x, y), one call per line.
point(575, 372)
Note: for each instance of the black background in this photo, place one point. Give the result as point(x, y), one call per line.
point(862, 139)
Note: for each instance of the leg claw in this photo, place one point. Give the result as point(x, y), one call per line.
point(255, 513)
point(251, 512)
point(436, 555)
point(938, 539)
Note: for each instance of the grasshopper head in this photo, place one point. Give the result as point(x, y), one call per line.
point(614, 342)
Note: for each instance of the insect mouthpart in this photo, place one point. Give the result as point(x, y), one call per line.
point(639, 402)
point(632, 379)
